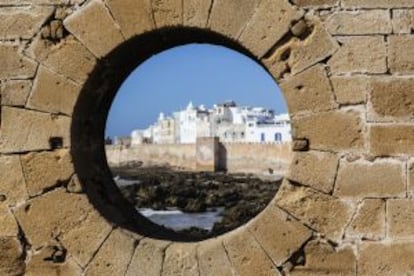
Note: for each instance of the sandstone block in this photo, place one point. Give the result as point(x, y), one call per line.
point(167, 12)
point(390, 99)
point(212, 259)
point(369, 221)
point(181, 260)
point(316, 3)
point(360, 54)
point(378, 3)
point(312, 46)
point(386, 258)
point(314, 169)
point(84, 240)
point(15, 92)
point(44, 263)
point(148, 258)
point(360, 22)
point(402, 21)
point(53, 93)
point(69, 57)
point(196, 12)
point(11, 257)
point(391, 139)
point(9, 227)
point(270, 22)
point(246, 255)
point(12, 183)
point(56, 212)
point(327, 214)
point(114, 255)
point(134, 17)
point(350, 90)
point(335, 130)
point(323, 259)
point(26, 130)
point(309, 91)
point(279, 234)
point(231, 26)
point(22, 22)
point(400, 218)
point(14, 64)
point(46, 169)
point(95, 28)
point(401, 51)
point(362, 179)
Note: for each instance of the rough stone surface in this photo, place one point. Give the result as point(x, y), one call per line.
point(400, 216)
point(68, 57)
point(15, 93)
point(181, 259)
point(22, 22)
point(25, 130)
point(363, 179)
point(401, 51)
point(196, 12)
point(57, 212)
point(378, 3)
point(95, 28)
point(410, 187)
point(391, 139)
point(148, 258)
point(247, 256)
point(167, 12)
point(114, 255)
point(350, 90)
point(369, 221)
point(13, 64)
point(386, 258)
point(53, 93)
point(12, 183)
point(213, 260)
point(46, 169)
point(402, 21)
point(84, 240)
point(323, 259)
point(11, 256)
point(360, 54)
point(42, 263)
point(314, 169)
point(316, 3)
point(134, 17)
point(322, 212)
point(325, 131)
point(294, 233)
point(231, 26)
point(360, 22)
point(270, 23)
point(9, 227)
point(299, 53)
point(309, 91)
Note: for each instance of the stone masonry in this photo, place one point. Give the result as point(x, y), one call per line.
point(346, 68)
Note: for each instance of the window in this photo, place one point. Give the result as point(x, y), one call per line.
point(263, 137)
point(278, 137)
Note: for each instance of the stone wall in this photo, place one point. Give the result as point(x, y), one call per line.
point(234, 157)
point(346, 68)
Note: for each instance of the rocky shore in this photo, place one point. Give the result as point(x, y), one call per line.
point(243, 196)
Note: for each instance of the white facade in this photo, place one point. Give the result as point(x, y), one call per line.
point(227, 121)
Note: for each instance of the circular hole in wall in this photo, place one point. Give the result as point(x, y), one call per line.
point(198, 139)
point(105, 87)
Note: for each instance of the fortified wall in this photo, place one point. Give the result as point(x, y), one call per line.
point(346, 68)
point(231, 157)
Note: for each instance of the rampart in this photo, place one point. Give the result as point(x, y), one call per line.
point(233, 157)
point(346, 68)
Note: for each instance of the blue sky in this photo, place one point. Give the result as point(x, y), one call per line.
point(201, 73)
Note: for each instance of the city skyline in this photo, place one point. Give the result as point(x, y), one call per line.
point(171, 78)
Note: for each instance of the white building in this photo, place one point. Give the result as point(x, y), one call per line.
point(227, 121)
